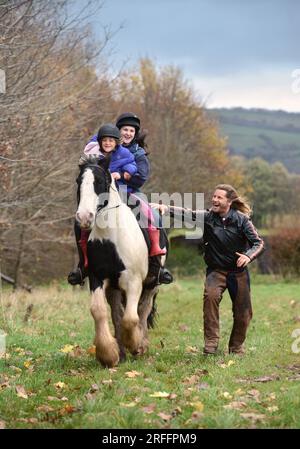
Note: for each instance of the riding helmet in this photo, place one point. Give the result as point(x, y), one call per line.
point(129, 119)
point(108, 130)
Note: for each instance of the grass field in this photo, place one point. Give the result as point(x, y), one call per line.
point(50, 379)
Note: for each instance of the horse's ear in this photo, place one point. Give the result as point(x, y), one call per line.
point(104, 162)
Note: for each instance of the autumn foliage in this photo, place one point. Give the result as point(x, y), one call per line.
point(284, 247)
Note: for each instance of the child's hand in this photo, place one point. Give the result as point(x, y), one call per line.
point(116, 175)
point(161, 207)
point(126, 176)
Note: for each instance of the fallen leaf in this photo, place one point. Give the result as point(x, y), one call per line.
point(228, 364)
point(183, 328)
point(227, 395)
point(271, 397)
point(64, 398)
point(20, 351)
point(201, 372)
point(128, 404)
point(45, 409)
point(235, 405)
point(176, 411)
point(172, 396)
point(159, 394)
point(90, 396)
point(77, 351)
point(239, 392)
point(66, 349)
point(16, 369)
point(266, 378)
point(197, 415)
point(107, 381)
point(164, 416)
point(273, 409)
point(21, 392)
point(91, 350)
point(4, 385)
point(191, 380)
point(203, 386)
point(67, 409)
point(149, 409)
point(198, 406)
point(52, 398)
point(253, 392)
point(60, 385)
point(253, 416)
point(94, 388)
point(2, 424)
point(191, 349)
point(28, 363)
point(132, 374)
point(28, 420)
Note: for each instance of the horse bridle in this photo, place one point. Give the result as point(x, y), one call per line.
point(108, 185)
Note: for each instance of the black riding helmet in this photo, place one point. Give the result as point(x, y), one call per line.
point(129, 119)
point(108, 130)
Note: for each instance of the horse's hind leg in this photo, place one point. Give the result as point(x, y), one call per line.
point(144, 311)
point(131, 330)
point(107, 349)
point(114, 297)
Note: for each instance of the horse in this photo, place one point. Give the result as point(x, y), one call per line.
point(118, 261)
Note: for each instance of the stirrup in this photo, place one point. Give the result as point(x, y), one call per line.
point(157, 273)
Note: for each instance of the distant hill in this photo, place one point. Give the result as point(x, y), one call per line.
point(271, 135)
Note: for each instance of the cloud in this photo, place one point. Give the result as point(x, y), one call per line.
point(266, 88)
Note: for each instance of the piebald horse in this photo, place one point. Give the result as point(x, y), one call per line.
point(117, 264)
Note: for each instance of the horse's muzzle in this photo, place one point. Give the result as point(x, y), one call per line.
point(85, 220)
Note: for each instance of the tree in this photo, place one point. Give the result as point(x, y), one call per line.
point(48, 58)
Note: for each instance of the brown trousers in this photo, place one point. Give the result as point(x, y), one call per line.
point(238, 285)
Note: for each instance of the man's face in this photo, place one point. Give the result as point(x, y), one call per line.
point(220, 203)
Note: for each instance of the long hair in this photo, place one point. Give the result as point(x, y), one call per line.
point(238, 202)
point(140, 139)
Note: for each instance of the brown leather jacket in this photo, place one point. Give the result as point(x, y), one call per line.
point(223, 237)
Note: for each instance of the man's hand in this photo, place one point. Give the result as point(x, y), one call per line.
point(161, 207)
point(126, 176)
point(116, 175)
point(243, 260)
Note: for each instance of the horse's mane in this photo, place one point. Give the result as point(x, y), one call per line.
point(90, 159)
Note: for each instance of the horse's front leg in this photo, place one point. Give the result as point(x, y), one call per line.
point(131, 331)
point(114, 297)
point(107, 349)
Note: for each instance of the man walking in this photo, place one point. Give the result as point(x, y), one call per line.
point(231, 242)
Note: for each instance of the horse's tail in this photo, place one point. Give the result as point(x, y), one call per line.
point(152, 317)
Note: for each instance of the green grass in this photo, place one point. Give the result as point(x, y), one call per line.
point(271, 135)
point(202, 388)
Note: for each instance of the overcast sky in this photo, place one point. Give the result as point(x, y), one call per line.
point(234, 52)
